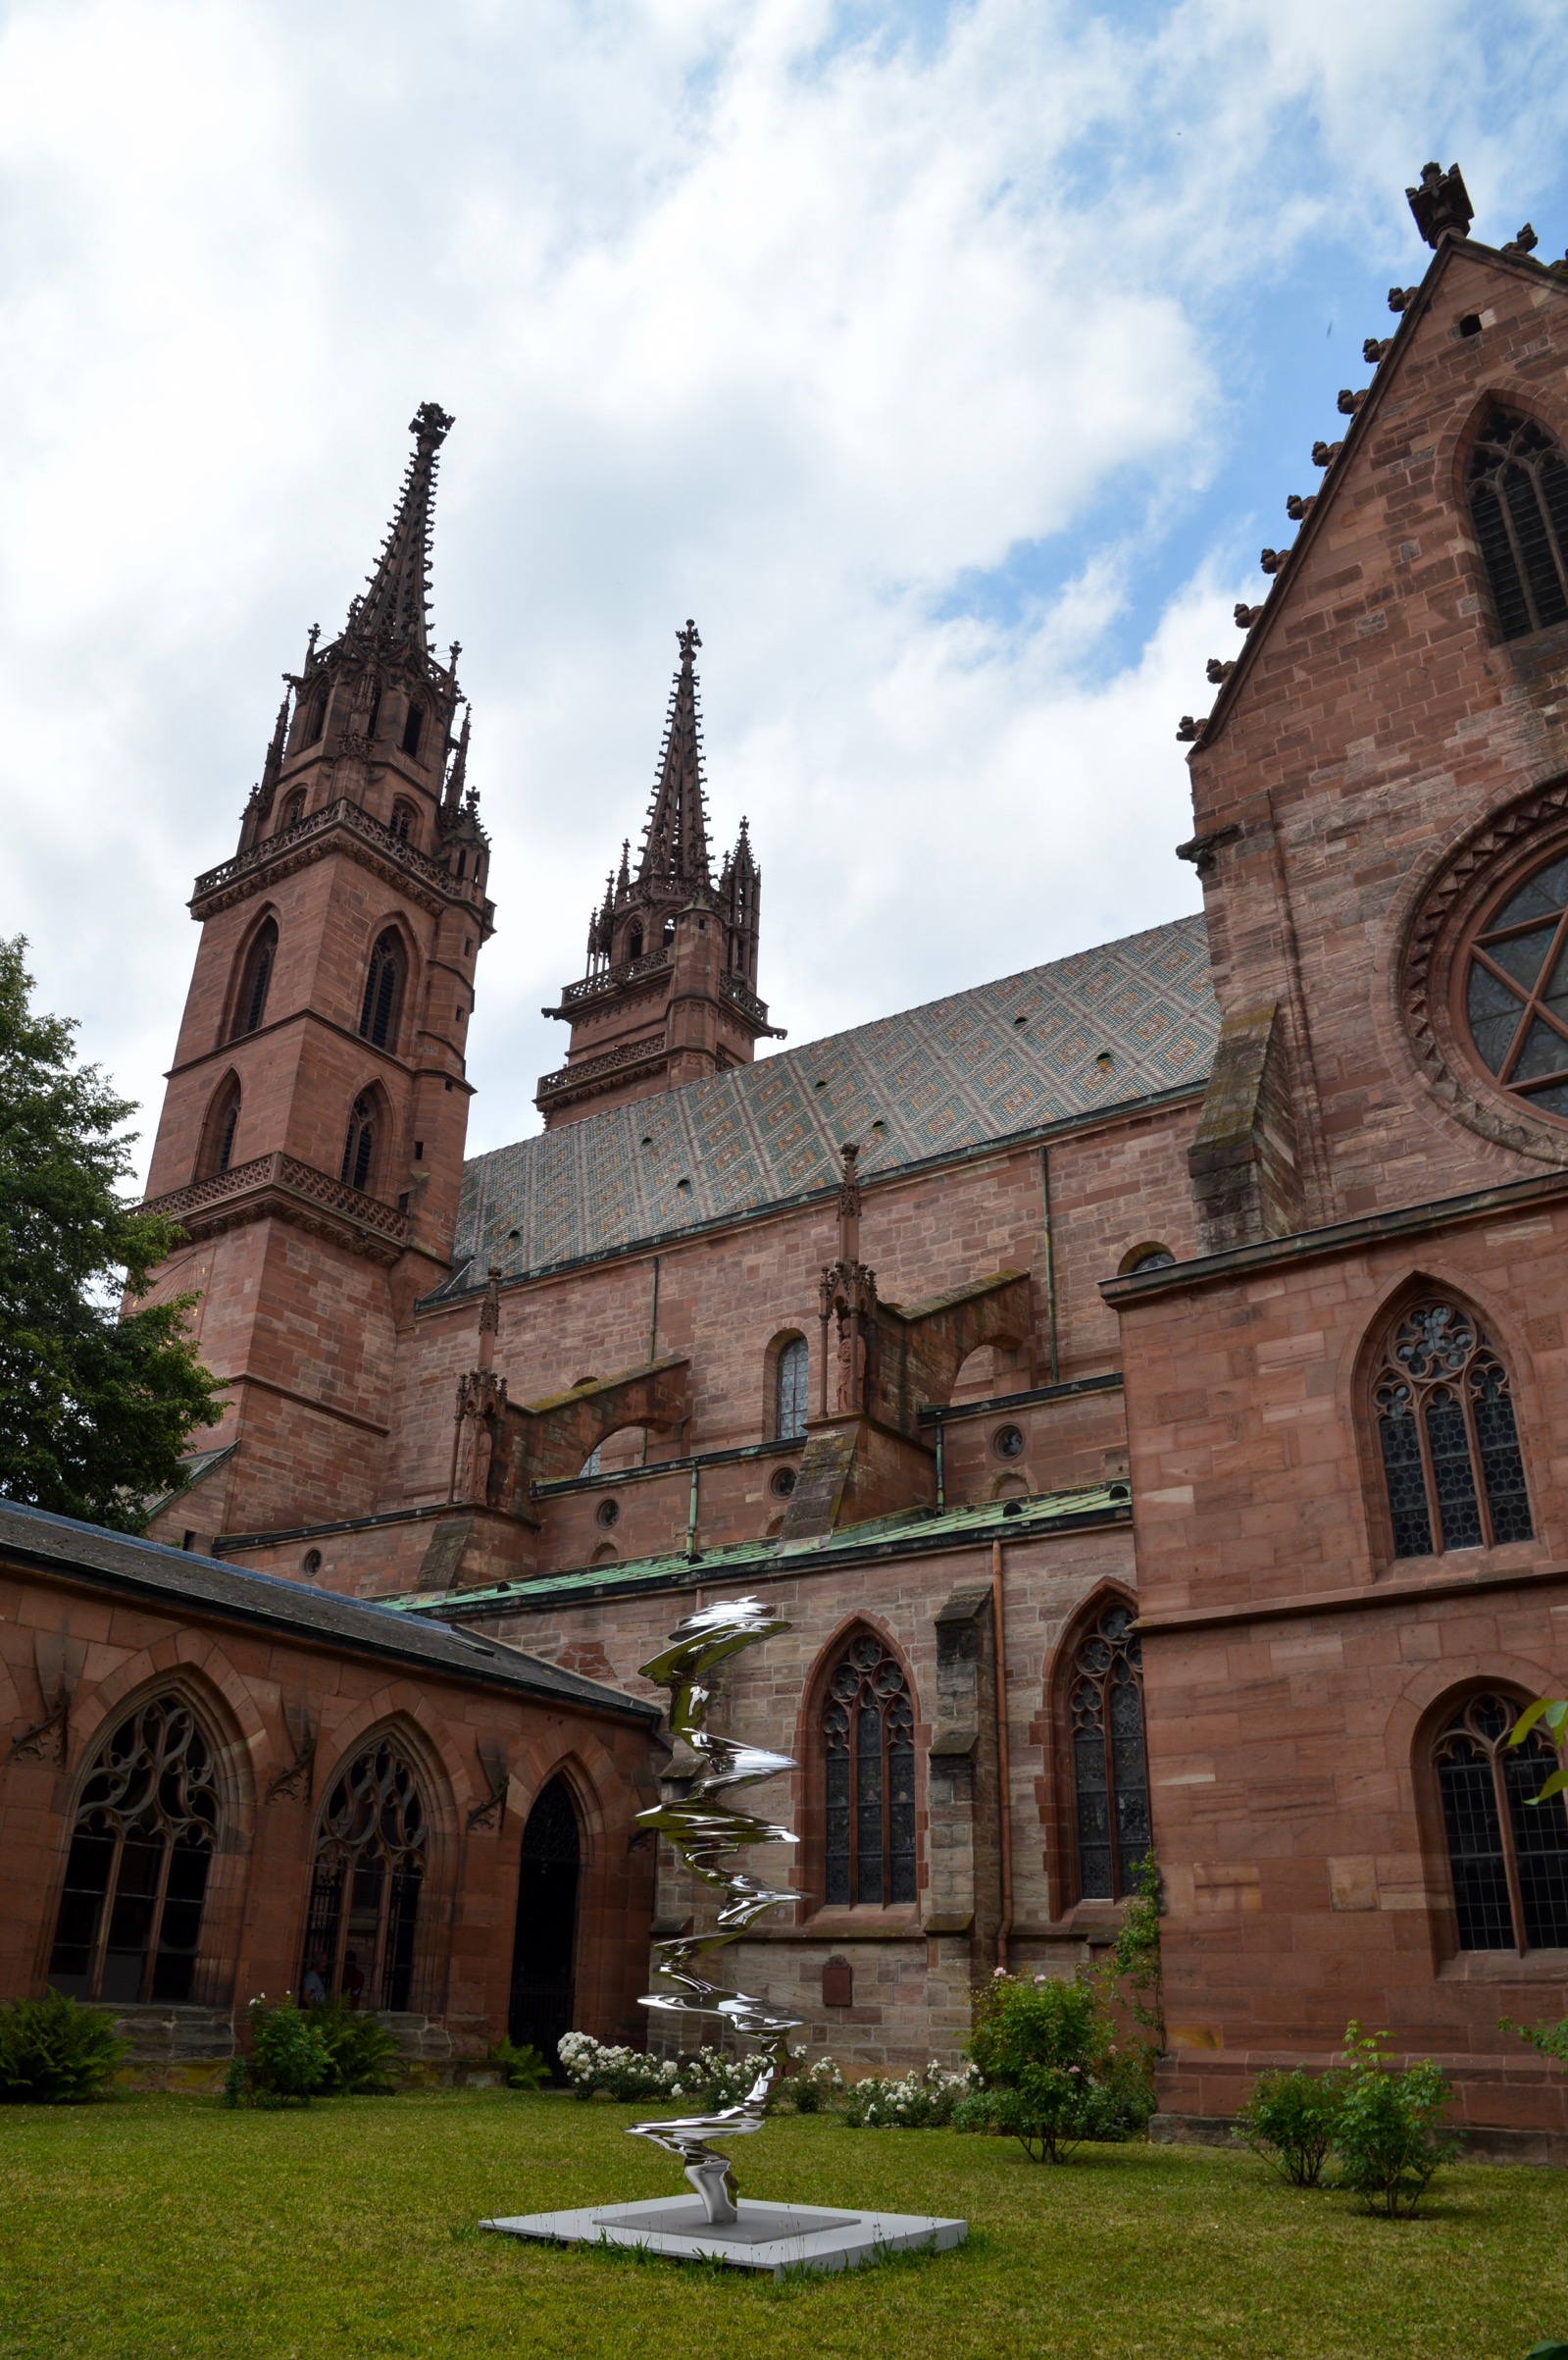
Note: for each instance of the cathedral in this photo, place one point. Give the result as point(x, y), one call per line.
point(1140, 1383)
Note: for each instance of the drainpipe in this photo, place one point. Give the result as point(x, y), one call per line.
point(691, 1517)
point(1005, 1784)
point(1050, 1264)
point(942, 1479)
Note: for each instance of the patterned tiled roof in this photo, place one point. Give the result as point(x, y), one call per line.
point(1007, 1058)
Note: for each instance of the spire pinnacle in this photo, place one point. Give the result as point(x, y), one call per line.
point(675, 851)
point(395, 604)
point(457, 776)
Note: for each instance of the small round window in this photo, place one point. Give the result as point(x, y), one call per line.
point(1009, 1442)
point(609, 1513)
point(1516, 991)
point(782, 1483)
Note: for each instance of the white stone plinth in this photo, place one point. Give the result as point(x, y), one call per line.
point(775, 2237)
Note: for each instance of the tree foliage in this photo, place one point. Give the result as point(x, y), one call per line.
point(95, 1409)
point(1051, 2070)
point(55, 2052)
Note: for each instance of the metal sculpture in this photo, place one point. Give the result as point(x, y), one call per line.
point(709, 1833)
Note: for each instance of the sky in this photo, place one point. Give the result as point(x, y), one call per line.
point(950, 365)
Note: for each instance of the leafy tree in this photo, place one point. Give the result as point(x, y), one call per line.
point(1385, 2131)
point(95, 1408)
point(1553, 1711)
point(1053, 2073)
point(1291, 2120)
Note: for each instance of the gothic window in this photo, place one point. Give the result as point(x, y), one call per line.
point(545, 1949)
point(369, 1875)
point(218, 1133)
point(383, 992)
point(1509, 1855)
point(250, 1004)
point(1110, 1773)
point(315, 720)
point(136, 1877)
point(373, 719)
point(293, 810)
point(1516, 989)
point(413, 729)
point(1518, 484)
point(791, 1365)
point(868, 1732)
point(1445, 1425)
point(359, 1148)
point(634, 942)
point(403, 817)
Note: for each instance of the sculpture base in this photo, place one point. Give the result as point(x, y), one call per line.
point(774, 2237)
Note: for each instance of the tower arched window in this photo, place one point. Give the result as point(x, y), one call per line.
point(634, 941)
point(1452, 1461)
point(359, 1147)
point(413, 730)
point(314, 718)
point(1518, 485)
point(219, 1129)
point(791, 1370)
point(146, 1825)
point(403, 819)
point(384, 990)
point(293, 810)
point(1110, 1769)
point(368, 1879)
point(255, 980)
point(1509, 1855)
point(868, 1742)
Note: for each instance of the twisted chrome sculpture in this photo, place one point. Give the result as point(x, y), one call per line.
point(708, 1831)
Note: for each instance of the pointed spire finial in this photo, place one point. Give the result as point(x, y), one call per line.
point(459, 770)
point(675, 851)
point(395, 604)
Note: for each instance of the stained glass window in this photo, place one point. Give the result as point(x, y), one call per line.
point(1516, 989)
point(1509, 1855)
point(129, 1917)
point(369, 1875)
point(789, 1404)
point(1110, 1773)
point(1451, 1462)
point(869, 1739)
point(1519, 505)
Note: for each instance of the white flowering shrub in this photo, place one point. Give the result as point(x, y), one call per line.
point(707, 2079)
point(923, 2101)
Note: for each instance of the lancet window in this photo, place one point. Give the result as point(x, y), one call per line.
point(413, 729)
point(791, 1368)
point(369, 1877)
point(1110, 1769)
point(1451, 1462)
point(222, 1122)
point(403, 817)
point(146, 1825)
point(359, 1148)
point(1508, 1854)
point(250, 1002)
point(384, 990)
point(868, 1738)
point(1518, 485)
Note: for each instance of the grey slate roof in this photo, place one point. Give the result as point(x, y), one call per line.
point(176, 1578)
point(984, 1065)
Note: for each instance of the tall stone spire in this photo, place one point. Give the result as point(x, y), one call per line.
point(674, 849)
point(395, 607)
point(670, 995)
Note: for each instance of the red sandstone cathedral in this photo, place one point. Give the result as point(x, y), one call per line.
point(1142, 1382)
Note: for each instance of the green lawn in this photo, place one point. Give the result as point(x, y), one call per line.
point(153, 2226)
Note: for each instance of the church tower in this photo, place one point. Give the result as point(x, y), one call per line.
point(670, 994)
point(311, 1135)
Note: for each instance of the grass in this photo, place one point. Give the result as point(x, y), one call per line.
point(168, 2226)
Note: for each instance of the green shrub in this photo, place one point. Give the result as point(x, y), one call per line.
point(288, 2056)
point(923, 2101)
point(522, 2066)
point(1053, 2073)
point(362, 2055)
point(1291, 2120)
point(1386, 2134)
point(1551, 2039)
point(55, 2052)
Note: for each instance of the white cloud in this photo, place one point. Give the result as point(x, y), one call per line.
point(743, 315)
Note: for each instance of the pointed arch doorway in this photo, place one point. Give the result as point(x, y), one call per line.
point(545, 1951)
